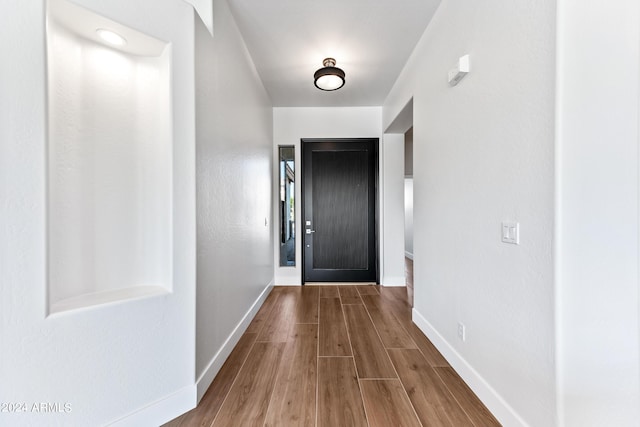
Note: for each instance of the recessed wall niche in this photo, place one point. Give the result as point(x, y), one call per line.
point(109, 160)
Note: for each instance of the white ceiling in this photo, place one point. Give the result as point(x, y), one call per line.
point(371, 41)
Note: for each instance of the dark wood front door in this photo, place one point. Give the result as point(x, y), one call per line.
point(339, 192)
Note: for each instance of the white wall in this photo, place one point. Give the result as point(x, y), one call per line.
point(597, 167)
point(292, 124)
point(234, 126)
point(393, 210)
point(110, 361)
point(484, 153)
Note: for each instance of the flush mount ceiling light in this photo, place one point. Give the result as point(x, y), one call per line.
point(329, 77)
point(111, 37)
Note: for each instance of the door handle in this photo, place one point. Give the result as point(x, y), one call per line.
point(309, 231)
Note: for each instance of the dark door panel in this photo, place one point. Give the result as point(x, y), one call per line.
point(339, 203)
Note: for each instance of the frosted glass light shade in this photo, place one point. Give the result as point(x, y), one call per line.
point(329, 82)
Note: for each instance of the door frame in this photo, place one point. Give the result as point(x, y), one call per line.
point(376, 160)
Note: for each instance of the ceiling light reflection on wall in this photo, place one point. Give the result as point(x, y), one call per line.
point(329, 77)
point(111, 37)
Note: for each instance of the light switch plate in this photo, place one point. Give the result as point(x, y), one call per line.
point(511, 233)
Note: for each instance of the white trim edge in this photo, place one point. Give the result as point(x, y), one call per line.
point(210, 372)
point(408, 255)
point(393, 281)
point(204, 9)
point(161, 411)
point(487, 394)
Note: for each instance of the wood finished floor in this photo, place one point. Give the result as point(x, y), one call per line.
point(336, 356)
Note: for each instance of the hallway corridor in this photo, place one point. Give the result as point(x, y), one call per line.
point(336, 356)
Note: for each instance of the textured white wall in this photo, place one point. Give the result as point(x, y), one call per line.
point(234, 126)
point(484, 153)
point(292, 124)
point(107, 362)
point(598, 116)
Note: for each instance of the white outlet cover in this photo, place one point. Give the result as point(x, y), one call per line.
point(461, 332)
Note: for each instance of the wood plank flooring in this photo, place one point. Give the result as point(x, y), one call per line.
point(336, 356)
point(371, 358)
point(334, 340)
point(339, 398)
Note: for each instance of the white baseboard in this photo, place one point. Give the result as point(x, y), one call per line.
point(210, 372)
point(161, 411)
point(490, 397)
point(288, 281)
point(393, 281)
point(408, 255)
